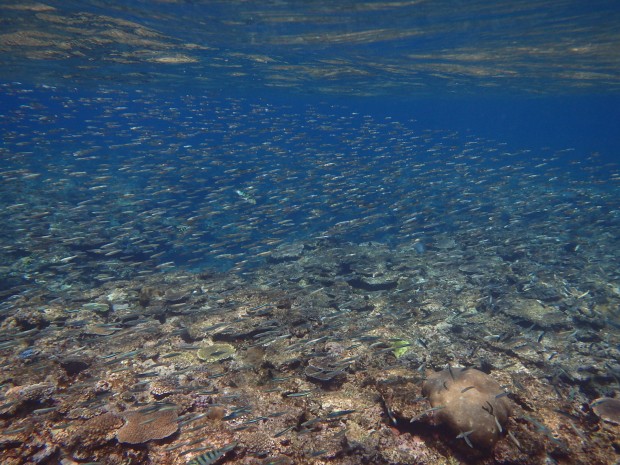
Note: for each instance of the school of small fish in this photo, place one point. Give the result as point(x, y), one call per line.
point(226, 289)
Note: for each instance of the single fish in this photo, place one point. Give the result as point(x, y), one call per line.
point(465, 437)
point(210, 457)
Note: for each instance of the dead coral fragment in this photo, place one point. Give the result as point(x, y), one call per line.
point(216, 352)
point(607, 409)
point(470, 403)
point(144, 427)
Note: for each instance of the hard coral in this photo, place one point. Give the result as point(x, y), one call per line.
point(144, 427)
point(95, 431)
point(31, 394)
point(164, 386)
point(470, 403)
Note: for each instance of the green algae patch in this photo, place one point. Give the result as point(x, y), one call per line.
point(400, 347)
point(216, 352)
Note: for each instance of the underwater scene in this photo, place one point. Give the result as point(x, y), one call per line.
point(336, 232)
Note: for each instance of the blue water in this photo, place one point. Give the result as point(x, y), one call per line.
point(251, 125)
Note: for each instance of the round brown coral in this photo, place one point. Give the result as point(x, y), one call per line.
point(471, 403)
point(144, 427)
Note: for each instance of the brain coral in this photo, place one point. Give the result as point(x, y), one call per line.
point(143, 427)
point(470, 403)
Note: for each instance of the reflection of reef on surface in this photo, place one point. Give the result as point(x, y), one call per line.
point(42, 33)
point(364, 48)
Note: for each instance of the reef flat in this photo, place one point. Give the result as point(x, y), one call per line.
point(306, 361)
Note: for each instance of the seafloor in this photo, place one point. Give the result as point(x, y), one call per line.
point(320, 356)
